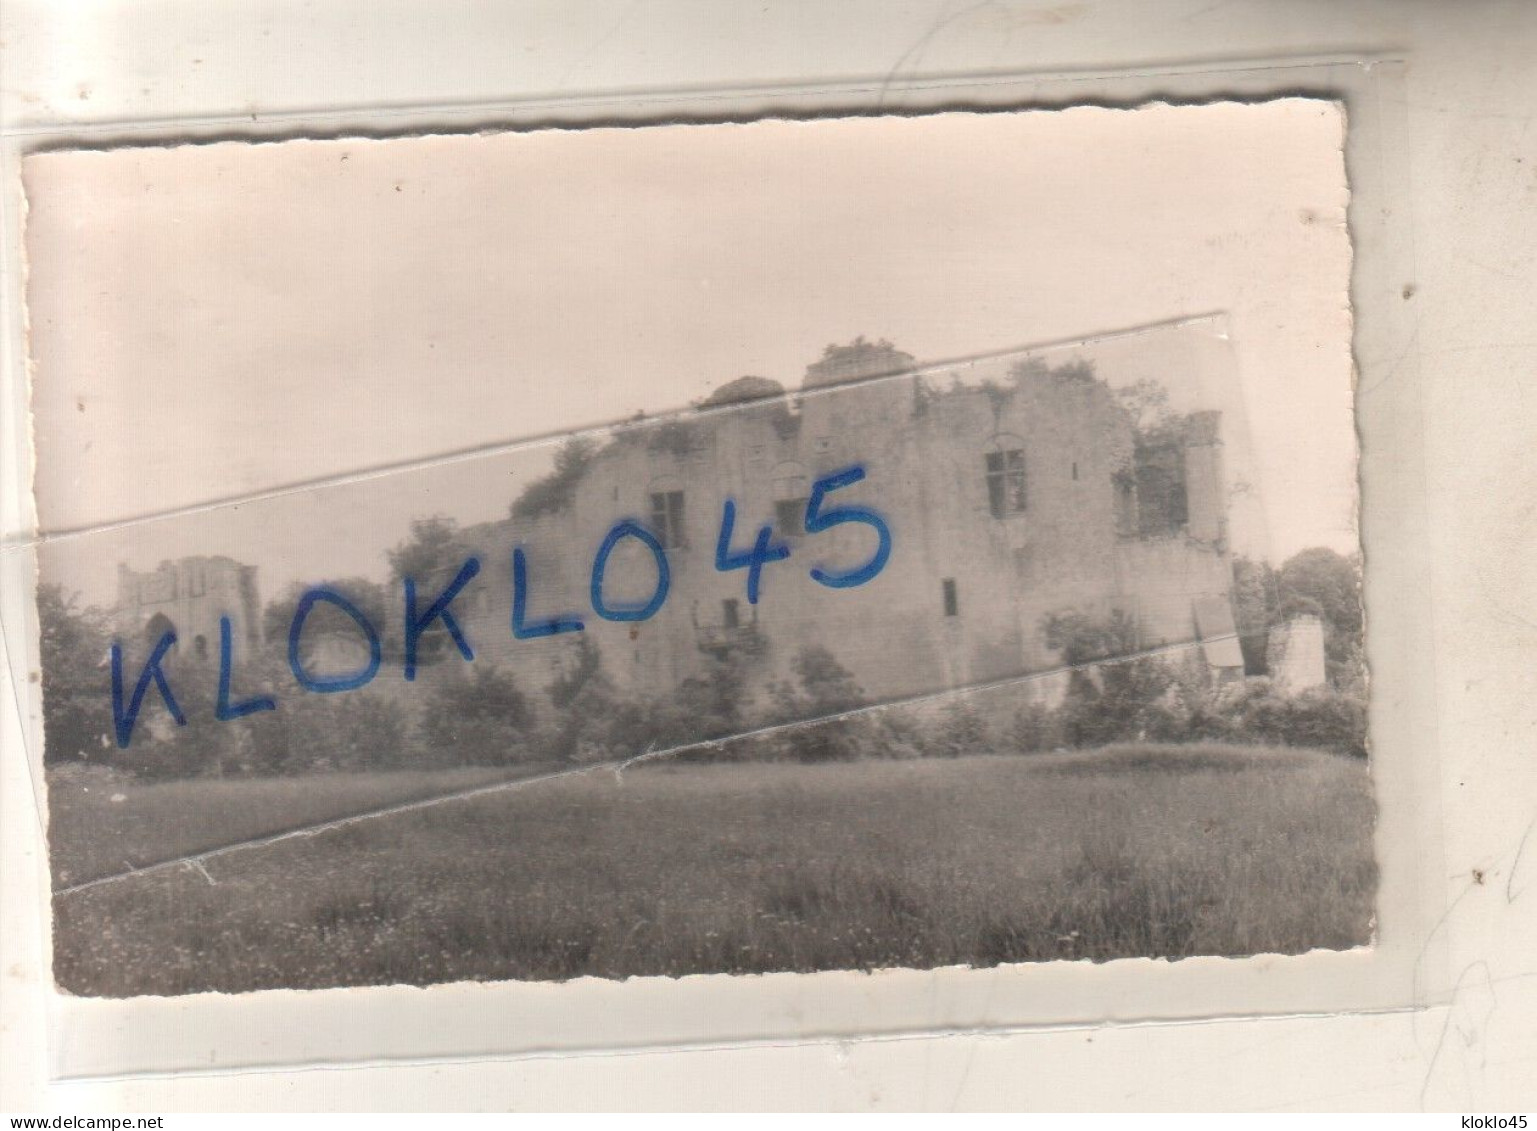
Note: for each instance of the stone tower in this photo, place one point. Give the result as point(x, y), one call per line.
point(188, 596)
point(1295, 655)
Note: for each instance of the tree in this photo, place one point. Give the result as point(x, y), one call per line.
point(1147, 401)
point(712, 701)
point(829, 687)
point(1029, 369)
point(481, 719)
point(433, 546)
point(76, 680)
point(429, 558)
point(1328, 584)
point(595, 722)
point(1314, 582)
point(1082, 638)
point(1255, 608)
point(960, 729)
point(1108, 695)
point(569, 683)
point(373, 599)
point(318, 733)
point(823, 688)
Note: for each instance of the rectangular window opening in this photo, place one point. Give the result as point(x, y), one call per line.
point(952, 603)
point(1006, 492)
point(790, 517)
point(1162, 499)
point(730, 615)
point(667, 518)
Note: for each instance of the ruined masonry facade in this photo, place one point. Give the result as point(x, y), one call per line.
point(1004, 506)
point(1005, 503)
point(187, 597)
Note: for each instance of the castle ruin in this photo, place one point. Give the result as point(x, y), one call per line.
point(1007, 501)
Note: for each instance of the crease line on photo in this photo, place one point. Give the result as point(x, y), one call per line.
point(16, 541)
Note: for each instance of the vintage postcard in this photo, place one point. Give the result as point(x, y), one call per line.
point(826, 545)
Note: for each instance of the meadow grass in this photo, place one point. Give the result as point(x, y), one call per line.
point(745, 868)
point(91, 835)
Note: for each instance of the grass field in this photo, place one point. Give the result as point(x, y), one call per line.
point(740, 868)
point(91, 835)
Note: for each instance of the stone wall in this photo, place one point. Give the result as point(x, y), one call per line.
point(188, 596)
point(925, 453)
point(1005, 502)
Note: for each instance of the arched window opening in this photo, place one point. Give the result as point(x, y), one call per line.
point(158, 626)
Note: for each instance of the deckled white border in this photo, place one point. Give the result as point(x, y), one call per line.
point(466, 1022)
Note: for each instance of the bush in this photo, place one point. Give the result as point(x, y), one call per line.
point(77, 720)
point(592, 721)
point(833, 740)
point(595, 723)
point(305, 733)
point(1036, 728)
point(481, 719)
point(202, 748)
point(826, 686)
point(568, 685)
point(1321, 718)
point(159, 749)
point(959, 729)
point(1116, 698)
point(713, 702)
point(1252, 712)
point(675, 437)
point(903, 733)
point(823, 687)
point(1157, 699)
point(327, 732)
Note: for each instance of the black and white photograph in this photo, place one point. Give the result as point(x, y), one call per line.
point(841, 544)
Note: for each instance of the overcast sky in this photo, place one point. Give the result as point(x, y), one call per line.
point(212, 321)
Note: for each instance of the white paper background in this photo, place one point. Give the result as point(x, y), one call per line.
point(1473, 161)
